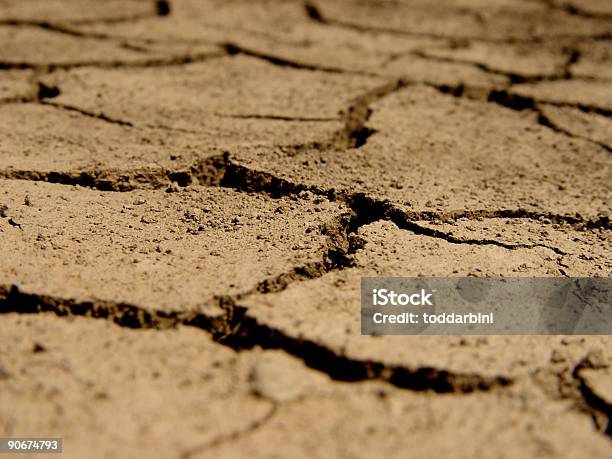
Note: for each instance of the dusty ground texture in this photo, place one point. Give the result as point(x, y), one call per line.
point(191, 190)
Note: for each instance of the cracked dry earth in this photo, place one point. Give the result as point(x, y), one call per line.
point(190, 192)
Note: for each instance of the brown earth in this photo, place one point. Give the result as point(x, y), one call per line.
point(190, 192)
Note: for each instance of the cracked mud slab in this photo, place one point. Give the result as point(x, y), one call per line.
point(583, 124)
point(389, 251)
point(579, 251)
point(432, 151)
point(67, 143)
point(70, 377)
point(171, 251)
point(190, 192)
point(48, 48)
point(501, 422)
point(73, 10)
point(519, 60)
point(593, 94)
point(235, 86)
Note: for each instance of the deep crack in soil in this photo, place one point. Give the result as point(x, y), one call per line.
point(238, 331)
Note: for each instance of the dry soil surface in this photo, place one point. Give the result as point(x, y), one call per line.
point(190, 192)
